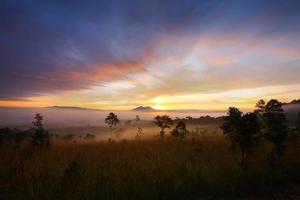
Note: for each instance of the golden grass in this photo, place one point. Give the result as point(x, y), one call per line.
point(205, 167)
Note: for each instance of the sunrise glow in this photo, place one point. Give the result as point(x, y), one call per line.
point(204, 61)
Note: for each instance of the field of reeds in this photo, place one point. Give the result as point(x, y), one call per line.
point(205, 167)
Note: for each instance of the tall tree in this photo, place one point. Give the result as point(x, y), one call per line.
point(180, 130)
point(231, 126)
point(163, 122)
point(41, 137)
point(139, 132)
point(298, 124)
point(274, 127)
point(243, 131)
point(260, 106)
point(112, 121)
point(250, 136)
point(273, 106)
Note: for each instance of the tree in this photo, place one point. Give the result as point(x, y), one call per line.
point(250, 136)
point(180, 130)
point(163, 122)
point(137, 118)
point(40, 137)
point(260, 106)
point(5, 135)
point(242, 130)
point(273, 106)
point(294, 132)
point(112, 121)
point(274, 127)
point(276, 132)
point(139, 132)
point(298, 124)
point(231, 126)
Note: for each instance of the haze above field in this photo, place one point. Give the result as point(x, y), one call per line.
point(81, 117)
point(66, 116)
point(119, 54)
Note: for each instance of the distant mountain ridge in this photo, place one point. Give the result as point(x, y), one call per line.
point(148, 108)
point(73, 108)
point(295, 101)
point(143, 108)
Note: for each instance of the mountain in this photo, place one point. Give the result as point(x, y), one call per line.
point(295, 101)
point(72, 108)
point(143, 109)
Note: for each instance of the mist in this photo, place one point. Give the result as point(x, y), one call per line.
point(55, 117)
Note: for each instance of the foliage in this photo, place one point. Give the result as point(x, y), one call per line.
point(41, 137)
point(16, 136)
point(273, 106)
point(242, 130)
point(232, 124)
point(260, 106)
point(112, 121)
point(274, 127)
point(180, 130)
point(137, 118)
point(298, 124)
point(163, 122)
point(275, 130)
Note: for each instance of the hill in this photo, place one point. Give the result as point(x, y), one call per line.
point(72, 108)
point(143, 109)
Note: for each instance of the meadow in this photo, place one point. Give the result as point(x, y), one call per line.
point(201, 166)
point(238, 156)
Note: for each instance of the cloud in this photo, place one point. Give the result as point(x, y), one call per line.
point(56, 48)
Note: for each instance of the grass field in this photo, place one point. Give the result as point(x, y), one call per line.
point(205, 167)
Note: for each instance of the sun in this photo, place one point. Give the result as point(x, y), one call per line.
point(158, 101)
point(158, 107)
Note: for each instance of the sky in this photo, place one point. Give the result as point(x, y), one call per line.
point(168, 54)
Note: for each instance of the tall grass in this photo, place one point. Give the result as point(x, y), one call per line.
point(205, 167)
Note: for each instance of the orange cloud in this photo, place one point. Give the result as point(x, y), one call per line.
point(105, 72)
point(24, 104)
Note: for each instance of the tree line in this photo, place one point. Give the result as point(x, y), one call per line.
point(266, 122)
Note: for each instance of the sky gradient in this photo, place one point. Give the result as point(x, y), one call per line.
point(167, 54)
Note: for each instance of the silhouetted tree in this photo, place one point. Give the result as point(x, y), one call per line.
point(19, 136)
point(139, 132)
point(260, 106)
point(137, 118)
point(163, 122)
point(112, 121)
point(274, 127)
point(40, 138)
point(242, 130)
point(273, 106)
point(298, 124)
point(249, 137)
point(180, 130)
point(232, 123)
point(4, 135)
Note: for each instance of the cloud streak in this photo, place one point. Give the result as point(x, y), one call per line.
point(52, 51)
